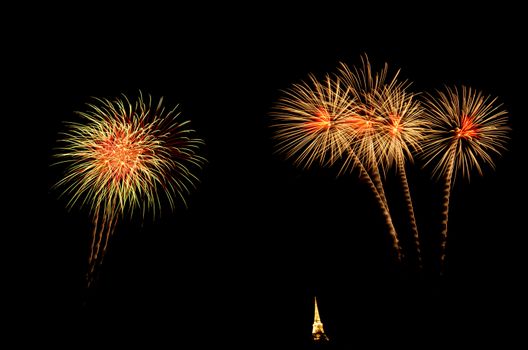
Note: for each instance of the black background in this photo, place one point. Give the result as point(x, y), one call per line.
point(260, 238)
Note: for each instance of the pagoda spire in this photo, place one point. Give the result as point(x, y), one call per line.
point(318, 334)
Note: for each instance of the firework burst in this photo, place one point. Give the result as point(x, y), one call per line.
point(312, 121)
point(124, 157)
point(322, 121)
point(401, 127)
point(467, 129)
point(377, 96)
point(400, 133)
point(378, 130)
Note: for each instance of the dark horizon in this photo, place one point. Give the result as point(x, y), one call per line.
point(260, 238)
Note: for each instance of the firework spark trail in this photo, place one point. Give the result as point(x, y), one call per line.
point(410, 209)
point(102, 232)
point(467, 128)
point(123, 157)
point(376, 178)
point(371, 90)
point(353, 161)
point(402, 131)
point(445, 206)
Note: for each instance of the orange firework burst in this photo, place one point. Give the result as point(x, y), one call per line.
point(123, 157)
point(312, 121)
point(401, 132)
point(402, 127)
point(467, 128)
point(375, 94)
point(322, 121)
point(381, 130)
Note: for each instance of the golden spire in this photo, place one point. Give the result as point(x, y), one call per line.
point(318, 334)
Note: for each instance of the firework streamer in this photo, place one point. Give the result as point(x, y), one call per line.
point(369, 90)
point(123, 157)
point(314, 122)
point(374, 181)
point(467, 129)
point(402, 131)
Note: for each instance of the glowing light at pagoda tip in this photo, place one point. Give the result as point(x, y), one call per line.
point(126, 156)
point(318, 334)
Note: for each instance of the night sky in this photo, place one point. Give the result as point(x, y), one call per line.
point(260, 238)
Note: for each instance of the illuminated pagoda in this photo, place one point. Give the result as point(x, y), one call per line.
point(318, 334)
